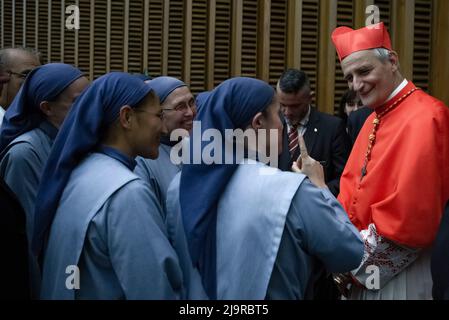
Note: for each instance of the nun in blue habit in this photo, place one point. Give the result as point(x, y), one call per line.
point(255, 235)
point(105, 221)
point(28, 131)
point(160, 172)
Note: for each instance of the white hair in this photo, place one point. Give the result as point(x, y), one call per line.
point(382, 53)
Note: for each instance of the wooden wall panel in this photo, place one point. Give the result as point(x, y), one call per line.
point(206, 42)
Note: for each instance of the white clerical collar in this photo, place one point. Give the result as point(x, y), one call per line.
point(397, 90)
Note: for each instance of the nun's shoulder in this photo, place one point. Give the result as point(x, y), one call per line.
point(21, 151)
point(137, 189)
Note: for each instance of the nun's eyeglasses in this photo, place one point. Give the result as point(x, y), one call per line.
point(183, 107)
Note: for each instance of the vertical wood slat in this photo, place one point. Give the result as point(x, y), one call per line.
point(187, 56)
point(278, 40)
point(156, 58)
point(326, 54)
point(91, 40)
point(77, 39)
point(294, 34)
point(62, 26)
point(176, 39)
point(310, 41)
point(49, 30)
point(126, 37)
point(7, 24)
point(210, 58)
point(146, 25)
point(24, 22)
point(440, 51)
point(29, 24)
point(18, 22)
point(84, 37)
point(108, 35)
point(42, 21)
point(13, 24)
point(236, 42)
point(250, 38)
point(199, 46)
point(223, 41)
point(345, 17)
point(360, 12)
point(263, 45)
point(36, 23)
point(165, 37)
point(422, 43)
point(2, 24)
point(385, 9)
point(403, 34)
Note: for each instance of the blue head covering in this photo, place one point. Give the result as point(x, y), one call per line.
point(200, 99)
point(231, 105)
point(43, 83)
point(142, 76)
point(94, 111)
point(163, 86)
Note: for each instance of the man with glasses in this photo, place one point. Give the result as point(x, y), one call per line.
point(179, 109)
point(17, 63)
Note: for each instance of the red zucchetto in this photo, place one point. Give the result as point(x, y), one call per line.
point(348, 41)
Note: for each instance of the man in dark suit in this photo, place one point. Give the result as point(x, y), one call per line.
point(325, 135)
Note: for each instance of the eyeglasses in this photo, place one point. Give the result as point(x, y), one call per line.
point(183, 107)
point(22, 75)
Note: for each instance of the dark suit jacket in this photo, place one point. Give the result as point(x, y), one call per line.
point(356, 120)
point(440, 260)
point(13, 247)
point(327, 141)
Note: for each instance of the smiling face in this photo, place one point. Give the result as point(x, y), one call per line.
point(179, 110)
point(147, 128)
point(373, 80)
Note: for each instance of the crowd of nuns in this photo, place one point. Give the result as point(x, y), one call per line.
point(81, 224)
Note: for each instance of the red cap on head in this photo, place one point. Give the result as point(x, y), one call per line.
point(348, 41)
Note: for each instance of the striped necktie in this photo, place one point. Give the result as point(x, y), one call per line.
point(293, 140)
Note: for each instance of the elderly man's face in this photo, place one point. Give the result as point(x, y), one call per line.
point(372, 79)
point(179, 110)
point(20, 64)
